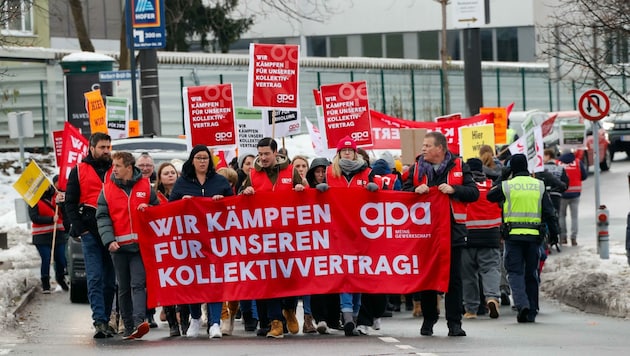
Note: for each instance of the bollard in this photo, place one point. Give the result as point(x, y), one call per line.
point(602, 232)
point(3, 241)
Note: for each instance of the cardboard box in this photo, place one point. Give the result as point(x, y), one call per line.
point(411, 144)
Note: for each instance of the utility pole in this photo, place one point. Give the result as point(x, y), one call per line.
point(444, 60)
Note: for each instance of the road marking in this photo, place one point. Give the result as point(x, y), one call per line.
point(405, 347)
point(5, 351)
point(388, 339)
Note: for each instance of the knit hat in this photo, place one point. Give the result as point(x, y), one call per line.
point(387, 156)
point(346, 142)
point(475, 164)
point(398, 165)
point(518, 163)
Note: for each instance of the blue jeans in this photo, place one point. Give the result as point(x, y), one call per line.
point(249, 306)
point(521, 263)
point(60, 260)
point(214, 312)
point(306, 304)
point(350, 302)
point(101, 279)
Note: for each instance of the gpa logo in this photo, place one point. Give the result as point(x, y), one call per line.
point(141, 194)
point(285, 98)
point(381, 218)
point(360, 136)
point(286, 181)
point(223, 136)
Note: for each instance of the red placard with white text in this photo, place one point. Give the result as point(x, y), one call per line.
point(273, 76)
point(347, 113)
point(58, 144)
point(74, 147)
point(209, 116)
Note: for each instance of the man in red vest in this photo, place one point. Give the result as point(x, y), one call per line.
point(125, 192)
point(274, 172)
point(84, 185)
point(571, 197)
point(438, 171)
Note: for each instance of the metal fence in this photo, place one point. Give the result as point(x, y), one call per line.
point(409, 89)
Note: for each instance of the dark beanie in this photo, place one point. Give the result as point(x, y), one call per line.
point(518, 163)
point(475, 164)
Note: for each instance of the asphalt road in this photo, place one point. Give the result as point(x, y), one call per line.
point(50, 324)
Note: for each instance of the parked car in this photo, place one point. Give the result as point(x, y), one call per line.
point(161, 149)
point(587, 156)
point(617, 126)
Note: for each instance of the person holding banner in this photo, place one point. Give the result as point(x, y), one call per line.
point(124, 193)
point(199, 179)
point(438, 171)
point(49, 236)
point(349, 170)
point(273, 172)
point(84, 186)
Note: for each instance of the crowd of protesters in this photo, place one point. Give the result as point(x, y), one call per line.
point(497, 233)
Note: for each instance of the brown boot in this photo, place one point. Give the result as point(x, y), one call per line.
point(292, 323)
point(308, 327)
point(417, 309)
point(276, 330)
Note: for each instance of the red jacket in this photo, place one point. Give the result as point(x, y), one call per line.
point(122, 205)
point(575, 176)
point(483, 214)
point(360, 179)
point(261, 182)
point(88, 178)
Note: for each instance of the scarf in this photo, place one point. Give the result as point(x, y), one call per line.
point(426, 168)
point(349, 166)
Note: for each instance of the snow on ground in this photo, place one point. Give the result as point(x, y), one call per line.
point(577, 276)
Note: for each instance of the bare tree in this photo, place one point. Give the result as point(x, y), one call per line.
point(444, 58)
point(590, 40)
point(79, 23)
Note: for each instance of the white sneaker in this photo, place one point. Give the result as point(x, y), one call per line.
point(377, 324)
point(322, 328)
point(215, 331)
point(362, 329)
point(193, 329)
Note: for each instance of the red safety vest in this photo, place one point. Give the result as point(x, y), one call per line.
point(45, 208)
point(361, 179)
point(260, 180)
point(162, 197)
point(388, 180)
point(90, 183)
point(455, 177)
point(483, 214)
point(121, 206)
point(575, 176)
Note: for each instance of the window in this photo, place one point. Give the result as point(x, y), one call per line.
point(372, 45)
point(428, 45)
point(16, 17)
point(507, 44)
point(486, 45)
point(453, 43)
point(394, 45)
point(339, 46)
point(616, 48)
point(317, 46)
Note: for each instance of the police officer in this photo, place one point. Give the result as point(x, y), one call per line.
point(526, 206)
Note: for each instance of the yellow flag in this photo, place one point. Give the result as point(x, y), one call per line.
point(32, 184)
point(96, 111)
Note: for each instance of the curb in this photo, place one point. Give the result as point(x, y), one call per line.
point(24, 300)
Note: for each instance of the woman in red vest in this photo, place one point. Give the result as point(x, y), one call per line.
point(46, 219)
point(349, 170)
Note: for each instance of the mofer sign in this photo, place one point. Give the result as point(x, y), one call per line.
point(594, 105)
point(347, 113)
point(148, 25)
point(273, 76)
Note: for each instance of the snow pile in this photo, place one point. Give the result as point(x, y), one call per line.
point(583, 280)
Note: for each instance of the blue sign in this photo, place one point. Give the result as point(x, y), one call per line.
point(147, 18)
point(115, 75)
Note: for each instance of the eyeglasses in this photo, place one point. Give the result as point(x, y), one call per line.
point(346, 150)
point(202, 159)
point(145, 165)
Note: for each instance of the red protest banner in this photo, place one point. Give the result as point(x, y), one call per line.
point(346, 113)
point(280, 244)
point(75, 146)
point(209, 116)
point(387, 134)
point(273, 76)
point(58, 144)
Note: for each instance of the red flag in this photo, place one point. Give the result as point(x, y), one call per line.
point(74, 148)
point(547, 125)
point(509, 109)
